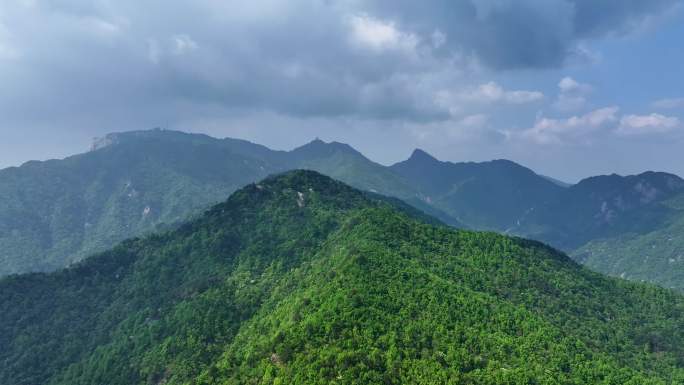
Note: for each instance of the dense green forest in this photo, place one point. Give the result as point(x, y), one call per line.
point(300, 279)
point(486, 196)
point(54, 213)
point(656, 254)
point(602, 207)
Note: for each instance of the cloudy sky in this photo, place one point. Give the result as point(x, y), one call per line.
point(570, 88)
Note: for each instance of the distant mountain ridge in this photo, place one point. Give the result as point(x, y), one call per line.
point(57, 212)
point(557, 181)
point(602, 206)
point(489, 195)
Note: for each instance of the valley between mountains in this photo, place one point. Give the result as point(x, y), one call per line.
point(55, 213)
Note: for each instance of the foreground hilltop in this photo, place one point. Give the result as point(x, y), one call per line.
point(300, 279)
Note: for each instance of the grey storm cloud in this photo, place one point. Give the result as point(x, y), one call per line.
point(125, 61)
point(506, 34)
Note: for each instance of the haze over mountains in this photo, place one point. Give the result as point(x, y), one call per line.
point(300, 279)
point(57, 212)
point(160, 257)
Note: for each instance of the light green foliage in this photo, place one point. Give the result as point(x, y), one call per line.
point(302, 280)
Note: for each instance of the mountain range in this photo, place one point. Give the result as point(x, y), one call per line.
point(301, 279)
point(55, 213)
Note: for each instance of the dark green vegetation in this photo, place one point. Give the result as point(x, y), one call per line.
point(492, 195)
point(655, 254)
point(602, 206)
point(54, 213)
point(302, 280)
point(623, 226)
point(631, 226)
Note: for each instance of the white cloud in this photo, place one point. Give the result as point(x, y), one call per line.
point(572, 95)
point(101, 26)
point(7, 51)
point(378, 61)
point(556, 131)
point(469, 129)
point(153, 51)
point(183, 44)
point(567, 103)
point(438, 39)
point(522, 97)
point(568, 84)
point(457, 103)
point(582, 55)
point(177, 45)
point(475, 121)
point(493, 93)
point(669, 104)
point(380, 35)
point(647, 124)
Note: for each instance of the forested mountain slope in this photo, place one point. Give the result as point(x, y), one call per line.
point(602, 206)
point(344, 163)
point(626, 226)
point(655, 254)
point(490, 195)
point(56, 212)
point(300, 279)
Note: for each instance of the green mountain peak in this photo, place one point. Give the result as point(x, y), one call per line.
point(301, 279)
point(55, 213)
